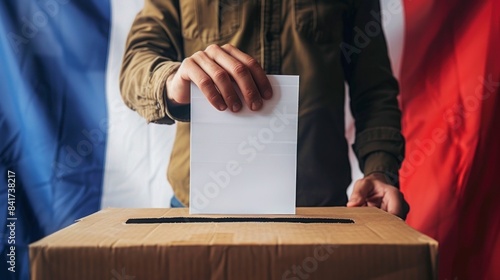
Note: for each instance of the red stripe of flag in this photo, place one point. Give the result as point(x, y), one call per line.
point(451, 118)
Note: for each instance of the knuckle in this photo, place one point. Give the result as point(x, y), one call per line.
point(187, 61)
point(228, 47)
point(198, 54)
point(252, 63)
point(232, 98)
point(357, 184)
point(240, 69)
point(250, 95)
point(395, 193)
point(213, 97)
point(212, 48)
point(220, 76)
point(205, 83)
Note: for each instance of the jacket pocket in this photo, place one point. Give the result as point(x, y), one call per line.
point(320, 20)
point(210, 21)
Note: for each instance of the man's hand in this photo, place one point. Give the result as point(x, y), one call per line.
point(213, 71)
point(373, 190)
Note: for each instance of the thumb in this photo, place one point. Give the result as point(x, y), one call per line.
point(179, 87)
point(360, 193)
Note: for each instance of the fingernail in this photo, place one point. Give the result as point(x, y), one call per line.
point(222, 107)
point(267, 94)
point(256, 105)
point(236, 107)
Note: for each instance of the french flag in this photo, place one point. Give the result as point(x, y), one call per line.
point(69, 146)
point(65, 132)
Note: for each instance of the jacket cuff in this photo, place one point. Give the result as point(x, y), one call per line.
point(181, 113)
point(384, 163)
point(380, 149)
point(159, 83)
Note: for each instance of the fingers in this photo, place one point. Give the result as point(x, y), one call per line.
point(372, 191)
point(213, 71)
point(360, 193)
point(221, 80)
point(396, 204)
point(240, 73)
point(258, 74)
point(392, 202)
point(190, 70)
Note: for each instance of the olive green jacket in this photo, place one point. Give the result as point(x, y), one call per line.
point(325, 42)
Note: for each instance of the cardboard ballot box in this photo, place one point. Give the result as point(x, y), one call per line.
point(316, 243)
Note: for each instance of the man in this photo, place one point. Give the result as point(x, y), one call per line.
point(213, 43)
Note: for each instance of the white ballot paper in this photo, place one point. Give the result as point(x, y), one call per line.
point(245, 162)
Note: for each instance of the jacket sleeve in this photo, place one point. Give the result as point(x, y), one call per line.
point(153, 51)
point(379, 144)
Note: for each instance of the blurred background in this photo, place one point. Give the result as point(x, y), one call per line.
point(69, 146)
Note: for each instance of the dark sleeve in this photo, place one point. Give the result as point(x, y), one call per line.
point(153, 52)
point(373, 90)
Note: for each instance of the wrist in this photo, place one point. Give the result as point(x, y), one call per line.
point(383, 164)
point(377, 175)
point(170, 92)
point(175, 110)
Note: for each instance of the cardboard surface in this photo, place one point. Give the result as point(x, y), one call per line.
point(102, 246)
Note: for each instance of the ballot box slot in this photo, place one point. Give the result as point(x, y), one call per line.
point(175, 220)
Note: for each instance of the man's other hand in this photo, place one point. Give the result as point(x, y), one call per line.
point(373, 190)
point(214, 70)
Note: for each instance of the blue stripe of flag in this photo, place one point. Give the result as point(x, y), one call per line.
point(53, 57)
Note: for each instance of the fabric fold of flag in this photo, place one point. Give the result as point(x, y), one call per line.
point(450, 98)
